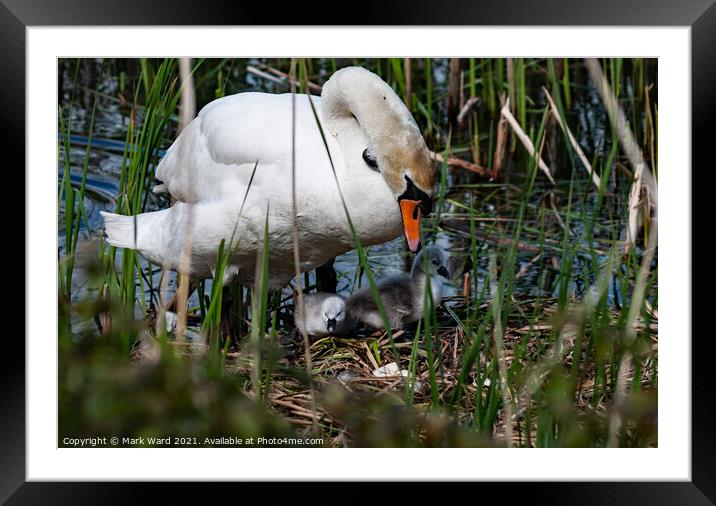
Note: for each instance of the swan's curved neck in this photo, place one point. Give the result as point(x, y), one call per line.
point(357, 104)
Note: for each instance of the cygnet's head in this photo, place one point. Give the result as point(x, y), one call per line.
point(333, 311)
point(434, 259)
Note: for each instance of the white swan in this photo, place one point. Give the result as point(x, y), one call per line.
point(381, 161)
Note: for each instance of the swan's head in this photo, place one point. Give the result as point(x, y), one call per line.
point(359, 106)
point(436, 263)
point(333, 311)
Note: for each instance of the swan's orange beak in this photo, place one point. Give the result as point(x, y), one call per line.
point(410, 209)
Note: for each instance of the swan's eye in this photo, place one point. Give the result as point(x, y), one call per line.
point(369, 159)
point(435, 262)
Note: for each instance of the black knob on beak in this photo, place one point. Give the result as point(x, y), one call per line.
point(331, 325)
point(444, 272)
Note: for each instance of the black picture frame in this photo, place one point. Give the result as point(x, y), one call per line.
point(700, 15)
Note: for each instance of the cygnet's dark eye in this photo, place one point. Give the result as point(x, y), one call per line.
point(435, 262)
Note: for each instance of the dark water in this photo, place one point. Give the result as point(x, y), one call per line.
point(105, 163)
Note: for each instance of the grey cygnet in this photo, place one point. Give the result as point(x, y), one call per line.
point(403, 295)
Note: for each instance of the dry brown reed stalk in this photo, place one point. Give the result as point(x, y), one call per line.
point(510, 68)
point(501, 143)
point(523, 270)
point(370, 356)
point(178, 301)
point(187, 107)
point(644, 183)
point(408, 85)
point(284, 77)
point(635, 204)
point(556, 212)
point(454, 161)
point(471, 102)
point(572, 140)
point(296, 255)
point(186, 115)
point(462, 90)
point(182, 298)
point(524, 138)
point(265, 75)
point(453, 89)
point(650, 128)
point(106, 313)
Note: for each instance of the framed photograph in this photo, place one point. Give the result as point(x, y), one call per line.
point(431, 232)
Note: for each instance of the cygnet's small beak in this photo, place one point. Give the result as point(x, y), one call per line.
point(444, 272)
point(331, 325)
point(410, 209)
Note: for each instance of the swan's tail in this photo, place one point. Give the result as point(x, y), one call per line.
point(143, 232)
point(121, 231)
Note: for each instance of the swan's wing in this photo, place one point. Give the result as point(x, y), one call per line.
point(215, 154)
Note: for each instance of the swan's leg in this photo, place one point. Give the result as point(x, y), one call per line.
point(326, 277)
point(232, 309)
point(275, 305)
point(233, 324)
